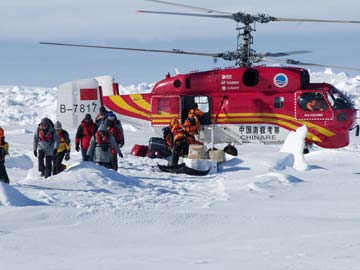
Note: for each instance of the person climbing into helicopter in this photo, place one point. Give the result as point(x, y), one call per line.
point(85, 131)
point(192, 124)
point(180, 143)
point(4, 150)
point(316, 103)
point(197, 112)
point(63, 150)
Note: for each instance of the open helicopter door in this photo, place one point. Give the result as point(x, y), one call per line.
point(163, 109)
point(203, 102)
point(312, 106)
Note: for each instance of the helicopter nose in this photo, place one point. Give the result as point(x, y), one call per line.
point(346, 118)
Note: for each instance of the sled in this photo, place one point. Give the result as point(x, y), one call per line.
point(182, 168)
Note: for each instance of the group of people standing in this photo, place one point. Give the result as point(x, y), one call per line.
point(99, 141)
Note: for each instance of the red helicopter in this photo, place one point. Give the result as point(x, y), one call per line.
point(245, 103)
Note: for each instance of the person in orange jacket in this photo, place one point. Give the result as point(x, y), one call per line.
point(192, 124)
point(180, 144)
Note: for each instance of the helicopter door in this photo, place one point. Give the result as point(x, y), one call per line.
point(312, 106)
point(188, 102)
point(163, 109)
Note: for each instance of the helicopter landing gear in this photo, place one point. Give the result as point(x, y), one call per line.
point(231, 150)
point(307, 148)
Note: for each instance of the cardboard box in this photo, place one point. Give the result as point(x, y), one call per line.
point(217, 155)
point(197, 151)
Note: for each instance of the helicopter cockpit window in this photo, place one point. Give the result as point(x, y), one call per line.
point(312, 102)
point(338, 100)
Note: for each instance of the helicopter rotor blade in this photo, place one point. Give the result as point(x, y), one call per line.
point(278, 19)
point(206, 10)
point(299, 63)
point(280, 54)
point(188, 14)
point(174, 51)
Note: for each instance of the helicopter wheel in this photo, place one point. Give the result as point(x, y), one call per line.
point(231, 150)
point(307, 148)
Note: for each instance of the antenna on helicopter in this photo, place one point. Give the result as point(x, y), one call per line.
point(244, 55)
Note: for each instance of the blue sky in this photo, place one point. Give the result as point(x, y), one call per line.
point(116, 23)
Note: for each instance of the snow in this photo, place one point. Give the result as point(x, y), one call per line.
point(10, 196)
point(269, 208)
point(295, 144)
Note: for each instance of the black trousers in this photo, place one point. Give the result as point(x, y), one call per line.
point(114, 161)
point(105, 164)
point(3, 174)
point(180, 147)
point(58, 158)
point(45, 163)
point(83, 154)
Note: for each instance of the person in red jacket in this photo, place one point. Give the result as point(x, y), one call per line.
point(85, 132)
point(110, 124)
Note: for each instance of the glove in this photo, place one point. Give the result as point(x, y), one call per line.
point(67, 156)
point(35, 153)
point(55, 151)
point(77, 147)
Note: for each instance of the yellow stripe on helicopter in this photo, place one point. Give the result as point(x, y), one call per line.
point(121, 103)
point(140, 101)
